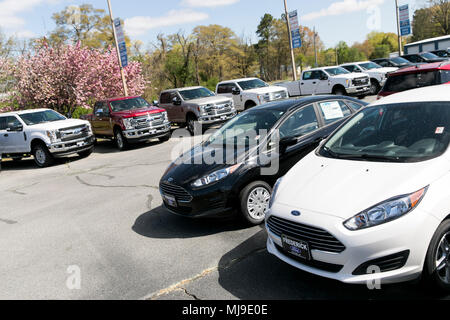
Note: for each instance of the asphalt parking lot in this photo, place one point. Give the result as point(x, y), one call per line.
point(103, 216)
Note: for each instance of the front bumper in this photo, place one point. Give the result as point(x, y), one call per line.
point(412, 232)
point(217, 118)
point(358, 90)
point(61, 149)
point(147, 133)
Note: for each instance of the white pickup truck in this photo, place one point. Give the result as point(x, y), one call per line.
point(45, 134)
point(377, 73)
point(329, 80)
point(250, 92)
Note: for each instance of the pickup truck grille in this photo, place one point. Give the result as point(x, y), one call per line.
point(220, 109)
point(149, 120)
point(361, 81)
point(73, 133)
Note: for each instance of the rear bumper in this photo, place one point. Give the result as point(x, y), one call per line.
point(147, 133)
point(214, 119)
point(66, 148)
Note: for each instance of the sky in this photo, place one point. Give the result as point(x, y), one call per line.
point(335, 20)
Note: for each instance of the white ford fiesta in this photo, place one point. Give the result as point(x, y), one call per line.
point(373, 201)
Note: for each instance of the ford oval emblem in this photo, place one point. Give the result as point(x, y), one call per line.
point(170, 179)
point(295, 213)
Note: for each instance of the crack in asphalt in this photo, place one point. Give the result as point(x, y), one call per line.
point(8, 221)
point(117, 186)
point(16, 190)
point(181, 284)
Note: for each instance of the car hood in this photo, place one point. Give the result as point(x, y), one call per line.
point(264, 90)
point(343, 188)
point(382, 70)
point(351, 76)
point(209, 100)
point(138, 112)
point(59, 124)
point(201, 161)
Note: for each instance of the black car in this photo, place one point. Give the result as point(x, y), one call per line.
point(425, 57)
point(235, 168)
point(397, 62)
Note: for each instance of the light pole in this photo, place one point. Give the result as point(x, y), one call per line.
point(122, 73)
point(398, 29)
point(294, 68)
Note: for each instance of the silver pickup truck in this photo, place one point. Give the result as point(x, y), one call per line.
point(186, 106)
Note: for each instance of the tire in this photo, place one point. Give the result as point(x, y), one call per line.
point(438, 249)
point(256, 213)
point(164, 139)
point(42, 157)
point(86, 153)
point(374, 87)
point(339, 91)
point(190, 123)
point(121, 141)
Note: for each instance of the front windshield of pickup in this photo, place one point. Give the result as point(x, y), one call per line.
point(369, 66)
point(129, 104)
point(197, 93)
point(336, 71)
point(34, 118)
point(252, 84)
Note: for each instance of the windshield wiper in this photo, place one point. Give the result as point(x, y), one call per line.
point(363, 156)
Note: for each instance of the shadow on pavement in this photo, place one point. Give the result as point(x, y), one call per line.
point(161, 224)
point(109, 146)
point(252, 274)
point(29, 164)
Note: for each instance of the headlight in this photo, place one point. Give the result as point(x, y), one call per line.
point(215, 176)
point(128, 123)
point(204, 109)
point(51, 134)
point(389, 210)
point(274, 192)
point(165, 116)
point(347, 83)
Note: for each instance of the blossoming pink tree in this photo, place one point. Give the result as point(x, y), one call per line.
point(68, 77)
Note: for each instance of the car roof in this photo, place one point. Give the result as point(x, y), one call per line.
point(237, 80)
point(426, 94)
point(182, 89)
point(423, 67)
point(11, 113)
point(118, 98)
point(350, 63)
point(286, 105)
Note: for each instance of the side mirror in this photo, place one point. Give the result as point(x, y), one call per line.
point(176, 101)
point(235, 91)
point(323, 77)
point(15, 128)
point(155, 102)
point(287, 142)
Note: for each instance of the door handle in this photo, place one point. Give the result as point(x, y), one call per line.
point(6, 135)
point(314, 82)
point(302, 83)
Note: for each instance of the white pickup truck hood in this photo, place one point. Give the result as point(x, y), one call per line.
point(209, 100)
point(382, 70)
point(343, 188)
point(269, 89)
point(350, 76)
point(59, 124)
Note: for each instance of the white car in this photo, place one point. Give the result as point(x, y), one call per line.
point(45, 134)
point(372, 202)
point(329, 80)
point(377, 73)
point(250, 92)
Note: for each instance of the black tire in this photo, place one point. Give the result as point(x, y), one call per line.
point(339, 91)
point(164, 138)
point(244, 198)
point(249, 104)
point(374, 87)
point(190, 123)
point(120, 140)
point(361, 97)
point(431, 274)
point(85, 154)
point(42, 157)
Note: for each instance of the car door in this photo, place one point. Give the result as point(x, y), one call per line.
point(323, 83)
point(303, 126)
point(308, 82)
point(11, 141)
point(101, 120)
point(166, 103)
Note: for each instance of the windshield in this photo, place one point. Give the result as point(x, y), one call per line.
point(41, 117)
point(252, 84)
point(129, 104)
point(196, 94)
point(407, 132)
point(400, 61)
point(369, 66)
point(429, 55)
point(336, 71)
point(246, 128)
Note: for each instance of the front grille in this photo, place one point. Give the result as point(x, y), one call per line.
point(317, 238)
point(178, 192)
point(148, 120)
point(330, 267)
point(360, 81)
point(388, 263)
point(73, 133)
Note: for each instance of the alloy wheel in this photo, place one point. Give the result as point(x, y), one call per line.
point(40, 156)
point(442, 259)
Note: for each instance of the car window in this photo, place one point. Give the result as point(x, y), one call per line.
point(333, 111)
point(414, 58)
point(307, 75)
point(383, 63)
point(225, 88)
point(352, 68)
point(197, 93)
point(445, 76)
point(300, 123)
point(409, 81)
point(101, 108)
point(8, 122)
point(354, 105)
point(38, 117)
point(165, 97)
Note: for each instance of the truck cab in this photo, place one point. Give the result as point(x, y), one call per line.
point(129, 120)
point(250, 92)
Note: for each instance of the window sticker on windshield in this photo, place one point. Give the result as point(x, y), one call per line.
point(440, 130)
point(331, 110)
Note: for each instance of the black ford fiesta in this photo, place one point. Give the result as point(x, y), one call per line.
point(234, 169)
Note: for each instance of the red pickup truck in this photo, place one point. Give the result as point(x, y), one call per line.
point(128, 120)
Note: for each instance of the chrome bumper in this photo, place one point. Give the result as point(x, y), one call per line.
point(358, 90)
point(148, 132)
point(211, 119)
point(73, 146)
